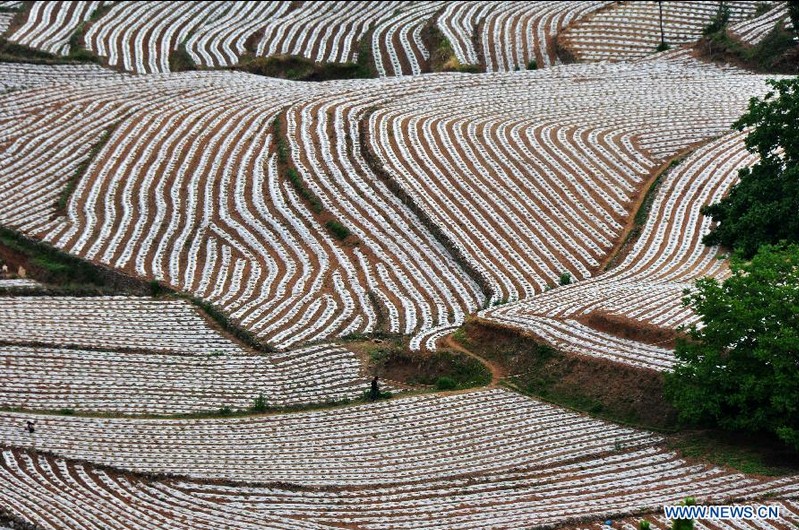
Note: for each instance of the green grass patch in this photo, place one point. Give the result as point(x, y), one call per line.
point(224, 321)
point(297, 68)
point(442, 55)
point(77, 47)
point(747, 453)
point(778, 52)
point(338, 230)
point(445, 370)
point(180, 60)
point(52, 266)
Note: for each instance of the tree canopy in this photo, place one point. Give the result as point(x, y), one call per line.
point(740, 370)
point(793, 13)
point(763, 207)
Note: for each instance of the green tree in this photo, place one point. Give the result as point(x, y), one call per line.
point(762, 208)
point(719, 21)
point(740, 369)
point(793, 13)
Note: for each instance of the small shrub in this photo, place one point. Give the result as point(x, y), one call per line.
point(469, 69)
point(446, 383)
point(532, 65)
point(155, 288)
point(719, 21)
point(259, 404)
point(225, 411)
point(180, 60)
point(565, 278)
point(761, 8)
point(379, 356)
point(663, 46)
point(337, 229)
point(644, 525)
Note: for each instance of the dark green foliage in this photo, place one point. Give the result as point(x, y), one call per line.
point(225, 411)
point(761, 8)
point(337, 229)
point(77, 48)
point(741, 370)
point(773, 46)
point(221, 318)
point(565, 278)
point(365, 60)
point(282, 148)
point(52, 266)
point(305, 193)
point(259, 404)
point(719, 21)
point(299, 68)
point(644, 525)
point(663, 46)
point(100, 11)
point(180, 60)
point(16, 53)
point(793, 13)
point(469, 69)
point(532, 65)
point(63, 199)
point(446, 383)
point(156, 289)
point(762, 207)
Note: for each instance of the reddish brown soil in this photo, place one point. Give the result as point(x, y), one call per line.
point(627, 328)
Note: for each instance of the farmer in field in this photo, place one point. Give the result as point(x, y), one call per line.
point(374, 392)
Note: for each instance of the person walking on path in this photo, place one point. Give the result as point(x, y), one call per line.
point(374, 391)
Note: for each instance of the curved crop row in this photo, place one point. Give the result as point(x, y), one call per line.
point(517, 33)
point(755, 30)
point(140, 36)
point(547, 467)
point(324, 31)
point(647, 286)
point(380, 443)
point(147, 382)
point(526, 186)
point(219, 220)
point(628, 30)
point(50, 25)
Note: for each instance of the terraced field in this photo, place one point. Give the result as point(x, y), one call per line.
point(632, 29)
point(256, 249)
point(648, 285)
point(500, 461)
point(317, 227)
